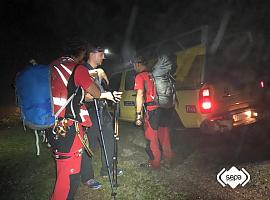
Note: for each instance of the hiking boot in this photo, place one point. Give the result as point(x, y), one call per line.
point(145, 165)
point(93, 184)
point(105, 174)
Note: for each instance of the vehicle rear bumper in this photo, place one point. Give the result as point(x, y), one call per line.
point(227, 121)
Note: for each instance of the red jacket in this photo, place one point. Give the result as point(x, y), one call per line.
point(143, 81)
point(61, 70)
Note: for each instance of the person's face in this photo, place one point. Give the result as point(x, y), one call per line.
point(97, 57)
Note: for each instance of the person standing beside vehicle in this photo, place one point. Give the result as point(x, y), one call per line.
point(156, 119)
point(69, 75)
point(95, 57)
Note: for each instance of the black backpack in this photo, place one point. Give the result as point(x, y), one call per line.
point(164, 83)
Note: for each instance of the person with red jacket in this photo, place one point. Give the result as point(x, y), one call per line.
point(155, 122)
point(67, 76)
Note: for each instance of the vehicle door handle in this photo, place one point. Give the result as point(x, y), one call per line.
point(134, 95)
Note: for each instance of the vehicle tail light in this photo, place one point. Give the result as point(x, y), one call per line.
point(262, 84)
point(205, 101)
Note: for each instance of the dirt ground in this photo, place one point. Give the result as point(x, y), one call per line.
point(199, 158)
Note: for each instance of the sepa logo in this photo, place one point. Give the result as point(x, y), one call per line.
point(233, 177)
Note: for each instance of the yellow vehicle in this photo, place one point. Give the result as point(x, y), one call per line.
point(216, 91)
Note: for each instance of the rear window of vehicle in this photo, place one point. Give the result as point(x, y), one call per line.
point(115, 81)
point(190, 63)
point(130, 80)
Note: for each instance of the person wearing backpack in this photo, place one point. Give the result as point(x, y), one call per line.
point(155, 117)
point(69, 77)
point(94, 58)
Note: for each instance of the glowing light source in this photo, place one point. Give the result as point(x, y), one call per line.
point(106, 51)
point(262, 84)
point(206, 93)
point(248, 113)
point(205, 101)
point(206, 105)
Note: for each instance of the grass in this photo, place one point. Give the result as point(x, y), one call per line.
point(135, 184)
point(26, 176)
point(23, 174)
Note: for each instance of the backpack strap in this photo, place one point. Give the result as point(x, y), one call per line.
point(150, 103)
point(73, 107)
point(174, 90)
point(67, 102)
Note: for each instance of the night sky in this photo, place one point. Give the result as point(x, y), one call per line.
point(37, 28)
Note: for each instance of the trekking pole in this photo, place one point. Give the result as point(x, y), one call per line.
point(116, 138)
point(113, 194)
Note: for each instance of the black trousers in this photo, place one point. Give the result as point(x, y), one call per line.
point(74, 184)
point(94, 138)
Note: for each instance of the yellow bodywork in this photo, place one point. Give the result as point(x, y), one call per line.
point(193, 74)
point(185, 76)
point(127, 103)
point(187, 81)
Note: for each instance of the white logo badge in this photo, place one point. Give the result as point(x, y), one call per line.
point(233, 177)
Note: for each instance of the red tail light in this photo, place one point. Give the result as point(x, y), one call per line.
point(206, 105)
point(205, 101)
point(262, 84)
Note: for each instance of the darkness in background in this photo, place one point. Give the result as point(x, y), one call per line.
point(36, 29)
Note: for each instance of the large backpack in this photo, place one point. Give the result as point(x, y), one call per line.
point(33, 91)
point(164, 83)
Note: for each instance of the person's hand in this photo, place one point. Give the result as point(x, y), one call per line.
point(93, 73)
point(102, 75)
point(114, 97)
point(139, 119)
point(117, 96)
point(109, 96)
point(88, 97)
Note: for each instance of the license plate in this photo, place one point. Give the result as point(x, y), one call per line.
point(241, 116)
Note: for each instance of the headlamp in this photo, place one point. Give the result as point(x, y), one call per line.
point(106, 51)
point(100, 49)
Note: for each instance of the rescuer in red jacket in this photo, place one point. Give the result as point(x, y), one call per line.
point(155, 121)
point(68, 74)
